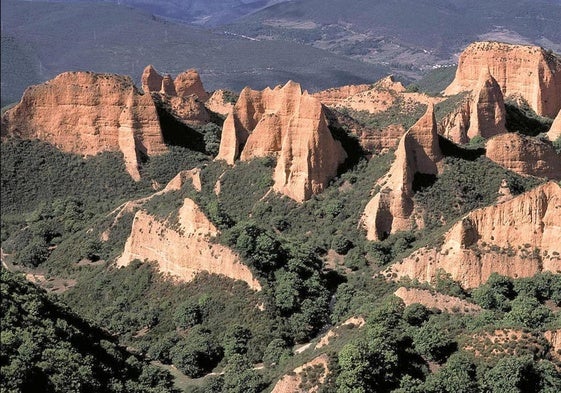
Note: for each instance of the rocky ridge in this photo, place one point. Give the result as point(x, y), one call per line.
point(184, 97)
point(520, 70)
point(88, 113)
point(290, 125)
point(517, 238)
point(183, 248)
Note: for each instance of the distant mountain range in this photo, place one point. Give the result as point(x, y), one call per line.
point(41, 40)
point(408, 35)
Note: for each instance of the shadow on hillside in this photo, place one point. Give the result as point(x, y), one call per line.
point(450, 149)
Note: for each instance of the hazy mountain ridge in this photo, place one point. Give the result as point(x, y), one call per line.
point(118, 39)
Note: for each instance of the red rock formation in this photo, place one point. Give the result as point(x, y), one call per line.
point(528, 71)
point(219, 103)
point(482, 113)
point(88, 113)
point(336, 95)
point(189, 83)
point(185, 249)
point(525, 155)
point(151, 80)
point(517, 238)
point(439, 301)
point(289, 125)
point(184, 97)
point(391, 209)
point(554, 132)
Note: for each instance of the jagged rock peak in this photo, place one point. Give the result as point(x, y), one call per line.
point(290, 125)
point(488, 114)
point(183, 250)
point(189, 83)
point(525, 155)
point(495, 239)
point(151, 80)
point(528, 71)
point(87, 113)
point(185, 84)
point(392, 208)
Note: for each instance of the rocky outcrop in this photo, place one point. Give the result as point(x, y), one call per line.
point(183, 248)
point(189, 83)
point(220, 102)
point(292, 383)
point(391, 209)
point(554, 339)
point(439, 301)
point(336, 95)
point(184, 97)
point(191, 175)
point(528, 71)
point(525, 155)
point(482, 113)
point(290, 125)
point(517, 238)
point(88, 113)
point(554, 132)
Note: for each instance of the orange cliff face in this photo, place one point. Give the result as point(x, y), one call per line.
point(289, 125)
point(392, 208)
point(516, 238)
point(87, 113)
point(184, 96)
point(524, 155)
point(185, 249)
point(482, 113)
point(529, 72)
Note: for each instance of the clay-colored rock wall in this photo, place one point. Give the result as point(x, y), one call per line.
point(555, 131)
point(517, 238)
point(525, 155)
point(391, 209)
point(185, 248)
point(526, 71)
point(87, 113)
point(289, 125)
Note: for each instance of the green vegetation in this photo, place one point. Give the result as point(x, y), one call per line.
point(398, 113)
point(47, 348)
point(522, 119)
point(436, 80)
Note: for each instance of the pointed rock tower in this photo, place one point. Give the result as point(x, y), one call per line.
point(290, 125)
point(391, 209)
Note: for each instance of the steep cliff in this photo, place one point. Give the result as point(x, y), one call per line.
point(482, 113)
point(391, 209)
point(517, 238)
point(183, 249)
point(219, 102)
point(184, 97)
point(290, 125)
point(527, 71)
point(525, 155)
point(87, 113)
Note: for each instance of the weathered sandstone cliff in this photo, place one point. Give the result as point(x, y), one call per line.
point(183, 249)
point(482, 113)
point(87, 113)
point(289, 125)
point(220, 103)
point(527, 71)
point(517, 238)
point(525, 155)
point(184, 97)
point(391, 209)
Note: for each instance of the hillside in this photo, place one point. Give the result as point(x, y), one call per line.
point(123, 40)
point(363, 238)
point(407, 35)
